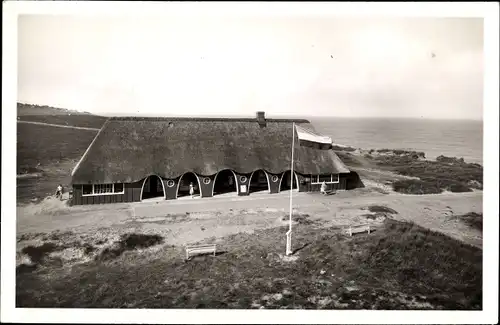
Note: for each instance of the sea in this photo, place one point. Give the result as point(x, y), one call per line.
point(452, 138)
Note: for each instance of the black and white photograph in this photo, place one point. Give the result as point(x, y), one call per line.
point(252, 158)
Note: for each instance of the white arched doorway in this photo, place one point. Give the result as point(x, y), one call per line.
point(259, 182)
point(225, 182)
point(153, 188)
point(286, 179)
point(183, 185)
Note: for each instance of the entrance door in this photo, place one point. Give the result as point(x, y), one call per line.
point(152, 188)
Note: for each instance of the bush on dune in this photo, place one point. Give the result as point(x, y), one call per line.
point(459, 188)
point(129, 242)
point(388, 160)
point(381, 209)
point(343, 148)
point(412, 186)
point(450, 160)
point(400, 152)
point(472, 219)
point(445, 173)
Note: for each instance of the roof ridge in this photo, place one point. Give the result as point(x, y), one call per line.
point(88, 148)
point(204, 119)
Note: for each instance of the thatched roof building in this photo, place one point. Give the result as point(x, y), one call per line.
point(127, 150)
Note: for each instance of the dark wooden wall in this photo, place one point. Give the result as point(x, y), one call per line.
point(306, 186)
point(133, 190)
point(206, 189)
point(274, 185)
point(171, 192)
point(132, 194)
point(79, 199)
point(246, 184)
point(299, 177)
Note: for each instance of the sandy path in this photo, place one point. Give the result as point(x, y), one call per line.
point(190, 220)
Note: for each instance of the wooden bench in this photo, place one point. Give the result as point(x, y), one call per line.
point(358, 229)
point(200, 249)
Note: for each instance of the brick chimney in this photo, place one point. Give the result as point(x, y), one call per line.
point(261, 119)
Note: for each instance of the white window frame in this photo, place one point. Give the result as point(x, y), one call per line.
point(101, 194)
point(332, 181)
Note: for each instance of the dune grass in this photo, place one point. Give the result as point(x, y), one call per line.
point(401, 266)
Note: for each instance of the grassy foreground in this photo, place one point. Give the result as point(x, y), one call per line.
point(399, 266)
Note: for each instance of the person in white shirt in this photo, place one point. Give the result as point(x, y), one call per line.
point(323, 188)
point(191, 189)
point(59, 191)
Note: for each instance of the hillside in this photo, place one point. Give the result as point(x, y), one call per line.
point(47, 154)
point(54, 115)
point(32, 109)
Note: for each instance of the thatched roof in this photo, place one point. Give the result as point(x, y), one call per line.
point(128, 149)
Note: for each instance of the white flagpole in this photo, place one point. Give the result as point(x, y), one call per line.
point(289, 233)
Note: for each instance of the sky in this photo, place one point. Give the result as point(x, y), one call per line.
point(309, 66)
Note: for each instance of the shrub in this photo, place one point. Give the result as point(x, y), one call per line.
point(342, 148)
point(129, 242)
point(303, 219)
point(381, 209)
point(38, 253)
point(475, 184)
point(450, 160)
point(474, 220)
point(411, 186)
point(459, 188)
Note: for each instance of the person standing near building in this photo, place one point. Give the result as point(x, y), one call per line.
point(59, 191)
point(323, 188)
point(191, 189)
